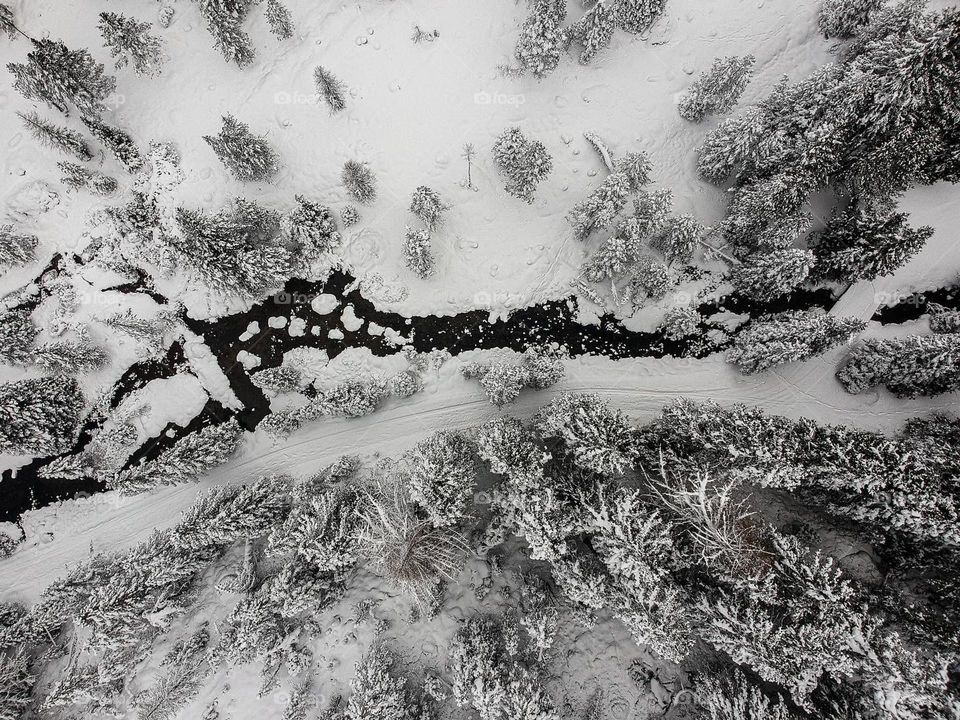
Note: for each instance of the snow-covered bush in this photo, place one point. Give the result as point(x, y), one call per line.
point(281, 379)
point(403, 546)
point(441, 476)
point(717, 90)
point(56, 136)
point(681, 322)
point(523, 163)
point(636, 16)
point(502, 381)
point(313, 228)
point(359, 181)
point(353, 398)
point(331, 90)
point(40, 416)
point(767, 276)
point(184, 462)
point(597, 437)
point(62, 77)
point(789, 337)
point(428, 206)
point(249, 158)
point(300, 588)
point(908, 367)
point(349, 216)
point(405, 384)
point(129, 41)
point(942, 320)
point(417, 251)
point(594, 30)
point(542, 37)
point(378, 691)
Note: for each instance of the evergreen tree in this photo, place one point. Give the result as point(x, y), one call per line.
point(281, 24)
point(908, 367)
point(864, 244)
point(189, 458)
point(427, 205)
point(524, 163)
point(598, 438)
point(77, 177)
point(767, 277)
point(733, 697)
point(359, 181)
point(542, 37)
point(8, 23)
point(730, 146)
point(717, 90)
point(601, 208)
point(70, 357)
point(320, 530)
point(248, 157)
point(679, 238)
point(16, 685)
point(594, 30)
point(40, 416)
point(130, 40)
point(417, 253)
point(441, 476)
point(313, 228)
point(119, 143)
point(378, 692)
point(681, 322)
point(349, 216)
point(17, 335)
point(330, 89)
point(842, 18)
point(224, 18)
point(16, 249)
point(636, 16)
point(942, 320)
point(62, 77)
point(56, 136)
point(789, 337)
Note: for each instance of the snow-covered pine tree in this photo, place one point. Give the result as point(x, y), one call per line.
point(524, 163)
point(16, 685)
point(349, 216)
point(40, 416)
point(603, 205)
point(762, 205)
point(185, 461)
point(732, 697)
point(544, 366)
point(353, 398)
point(358, 179)
point(185, 670)
point(378, 691)
point(320, 530)
point(301, 588)
point(8, 24)
point(441, 476)
point(330, 88)
point(70, 357)
point(730, 146)
point(428, 206)
point(417, 252)
point(118, 142)
point(313, 228)
point(681, 322)
point(594, 30)
point(131, 42)
point(790, 337)
point(842, 18)
point(282, 379)
point(62, 77)
point(501, 381)
point(908, 367)
point(943, 320)
point(278, 17)
point(864, 244)
point(651, 278)
point(597, 437)
point(248, 157)
point(17, 335)
point(717, 90)
point(765, 277)
point(77, 177)
point(636, 16)
point(679, 238)
point(224, 18)
point(542, 38)
point(55, 136)
point(150, 331)
point(15, 248)
point(782, 232)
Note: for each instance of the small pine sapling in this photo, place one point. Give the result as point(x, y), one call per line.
point(605, 203)
point(15, 248)
point(278, 17)
point(130, 42)
point(62, 77)
point(118, 141)
point(417, 252)
point(248, 157)
point(427, 205)
point(717, 90)
point(330, 88)
point(56, 136)
point(524, 163)
point(767, 277)
point(359, 181)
